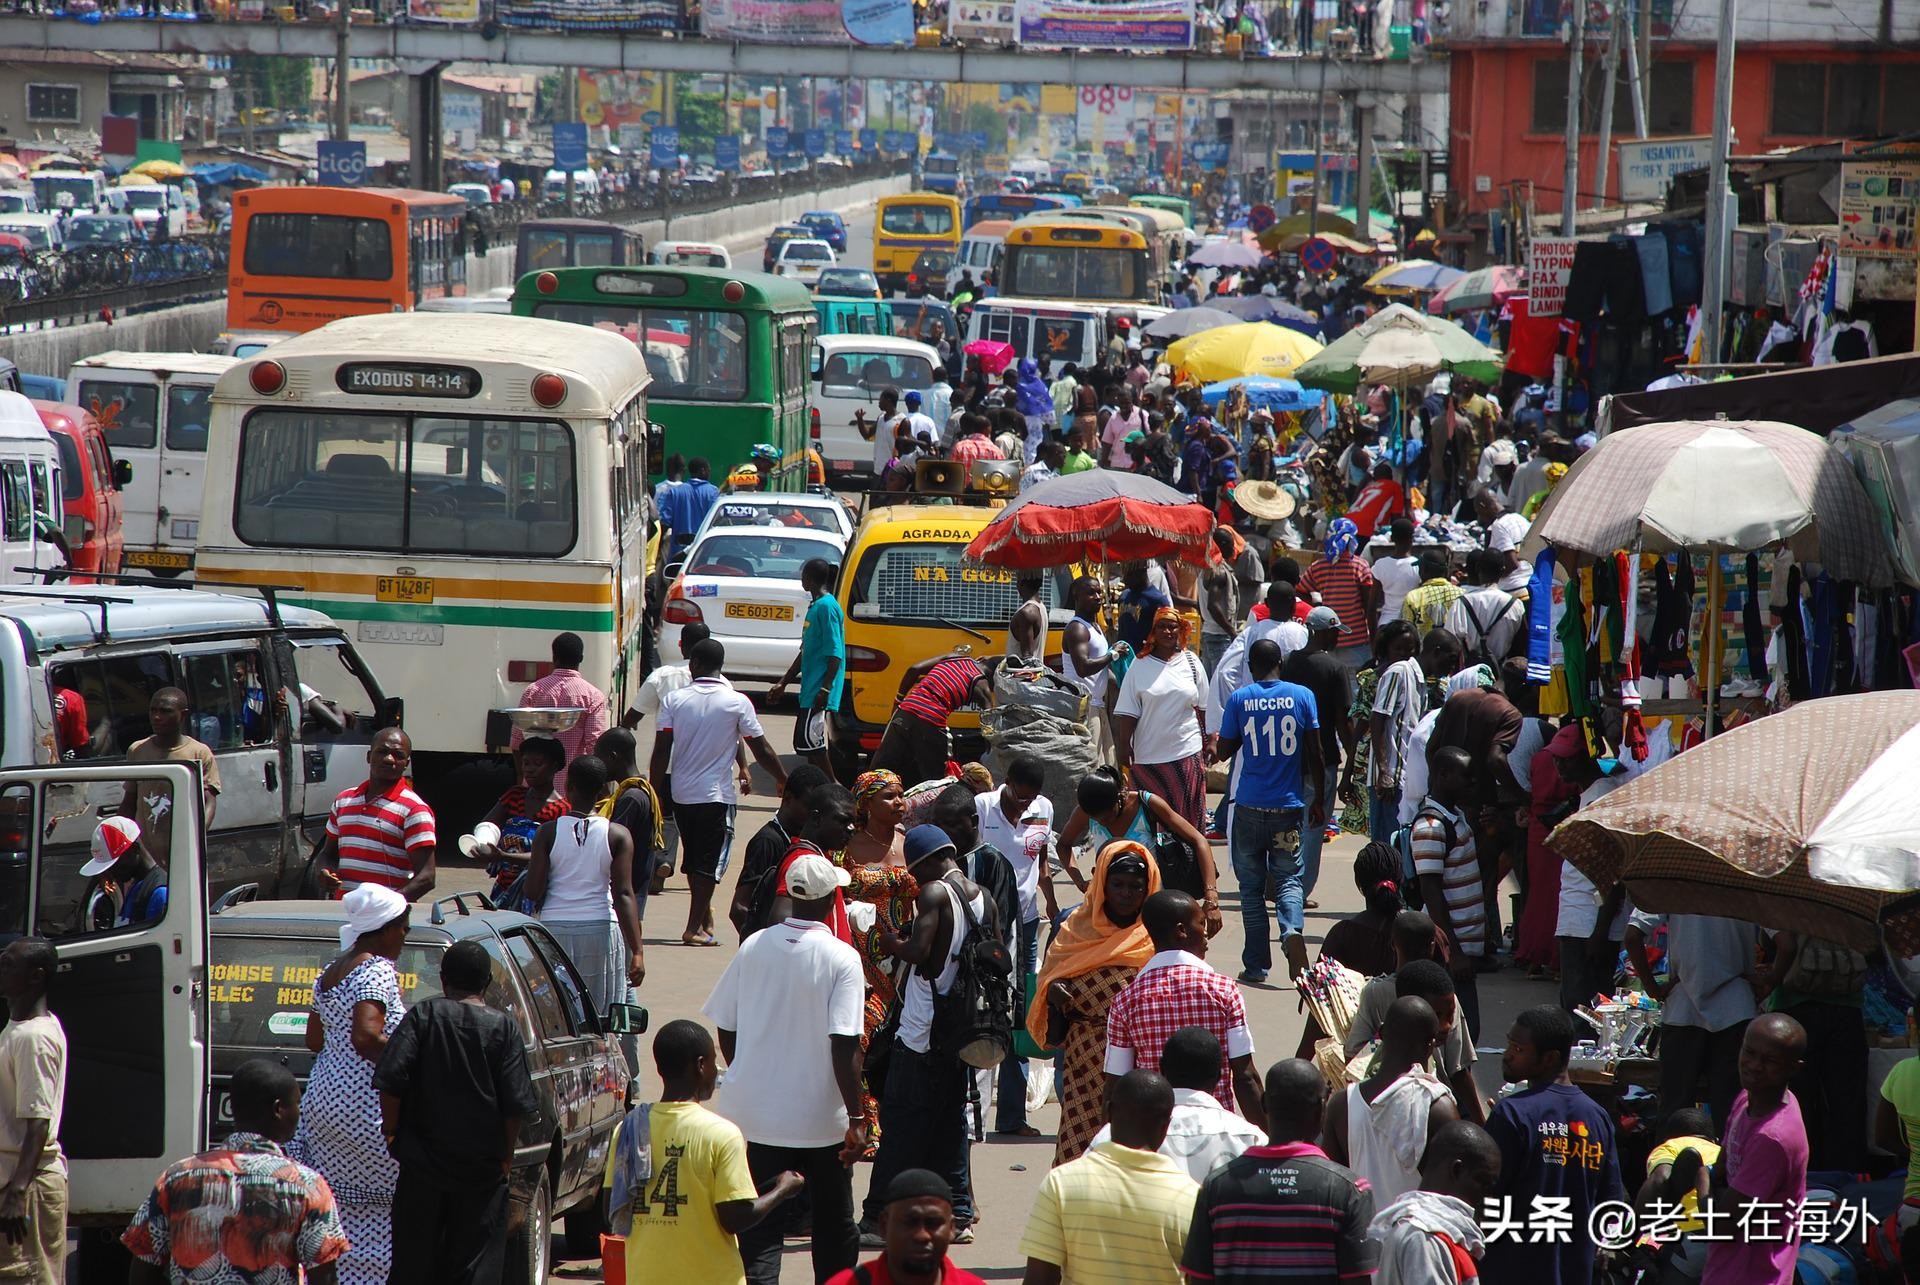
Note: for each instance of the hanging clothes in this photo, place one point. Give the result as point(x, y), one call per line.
point(1655, 283)
point(1587, 283)
point(1685, 245)
point(1666, 655)
point(1793, 626)
point(1573, 637)
point(1755, 640)
point(1626, 296)
point(1604, 637)
point(1540, 619)
point(1633, 731)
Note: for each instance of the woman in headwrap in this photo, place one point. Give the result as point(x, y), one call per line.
point(1159, 719)
point(1092, 958)
point(876, 859)
point(1345, 582)
point(355, 1007)
point(1035, 404)
point(1555, 472)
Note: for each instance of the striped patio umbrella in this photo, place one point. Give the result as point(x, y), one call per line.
point(1756, 825)
point(1481, 288)
point(1097, 515)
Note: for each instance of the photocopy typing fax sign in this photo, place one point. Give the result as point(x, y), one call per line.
point(1648, 165)
point(1549, 266)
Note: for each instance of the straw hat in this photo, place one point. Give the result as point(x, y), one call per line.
point(1265, 500)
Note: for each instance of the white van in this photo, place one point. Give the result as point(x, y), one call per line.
point(585, 183)
point(30, 493)
point(849, 374)
point(691, 254)
point(39, 231)
point(158, 210)
point(18, 200)
point(981, 248)
point(154, 407)
point(77, 190)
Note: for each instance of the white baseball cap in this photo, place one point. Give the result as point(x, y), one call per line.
point(812, 877)
point(113, 838)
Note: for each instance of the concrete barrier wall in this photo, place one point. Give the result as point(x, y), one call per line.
point(194, 327)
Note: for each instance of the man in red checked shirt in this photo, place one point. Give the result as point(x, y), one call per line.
point(918, 1227)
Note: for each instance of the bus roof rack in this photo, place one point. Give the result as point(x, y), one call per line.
point(100, 633)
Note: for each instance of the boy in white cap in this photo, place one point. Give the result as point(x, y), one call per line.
point(120, 856)
point(789, 984)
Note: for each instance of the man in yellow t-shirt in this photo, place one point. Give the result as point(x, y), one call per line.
point(685, 1197)
point(1671, 1181)
point(1120, 1213)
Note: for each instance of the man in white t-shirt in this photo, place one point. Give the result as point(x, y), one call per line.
point(701, 729)
point(1396, 571)
point(1506, 532)
point(794, 1094)
point(885, 428)
point(920, 425)
point(1487, 618)
point(1017, 821)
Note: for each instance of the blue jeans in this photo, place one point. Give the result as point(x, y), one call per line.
point(1212, 648)
point(1314, 837)
point(1266, 842)
point(1010, 1115)
point(1383, 815)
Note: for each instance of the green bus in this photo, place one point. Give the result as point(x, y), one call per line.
point(1179, 205)
point(730, 354)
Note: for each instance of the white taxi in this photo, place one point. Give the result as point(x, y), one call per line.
point(743, 583)
point(779, 508)
point(802, 259)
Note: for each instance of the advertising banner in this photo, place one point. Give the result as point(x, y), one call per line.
point(808, 22)
point(1878, 200)
point(588, 15)
point(779, 140)
point(664, 146)
point(1549, 268)
point(989, 21)
point(726, 153)
point(814, 141)
point(443, 10)
point(620, 98)
point(1086, 24)
point(1647, 165)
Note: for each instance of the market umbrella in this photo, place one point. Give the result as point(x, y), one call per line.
point(1182, 322)
point(1749, 826)
point(1344, 364)
point(1097, 514)
point(1412, 276)
point(1226, 254)
point(1304, 224)
point(1249, 348)
point(1481, 288)
point(1265, 393)
point(995, 356)
point(1264, 307)
point(59, 160)
point(160, 169)
point(136, 179)
point(1718, 486)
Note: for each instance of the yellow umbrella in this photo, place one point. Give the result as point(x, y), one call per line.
point(1253, 348)
point(61, 161)
point(133, 178)
point(160, 169)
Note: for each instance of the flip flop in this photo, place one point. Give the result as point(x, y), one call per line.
point(697, 939)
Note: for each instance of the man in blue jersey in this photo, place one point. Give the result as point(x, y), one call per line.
point(1272, 727)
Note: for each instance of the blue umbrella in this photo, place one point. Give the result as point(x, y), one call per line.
point(1264, 392)
point(1259, 307)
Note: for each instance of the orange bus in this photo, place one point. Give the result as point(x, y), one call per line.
point(304, 256)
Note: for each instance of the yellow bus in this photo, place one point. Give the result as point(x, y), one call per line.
point(904, 227)
point(1064, 256)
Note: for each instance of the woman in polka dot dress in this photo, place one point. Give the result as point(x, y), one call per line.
point(356, 1006)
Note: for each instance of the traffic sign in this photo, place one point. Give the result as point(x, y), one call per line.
point(665, 150)
point(569, 146)
point(1260, 218)
point(815, 143)
point(342, 164)
point(1317, 255)
point(726, 153)
point(779, 139)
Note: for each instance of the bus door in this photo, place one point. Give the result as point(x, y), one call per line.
point(186, 407)
point(126, 404)
point(132, 997)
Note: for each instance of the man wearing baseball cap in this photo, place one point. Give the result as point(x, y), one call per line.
point(916, 1228)
point(119, 855)
point(795, 1096)
point(918, 423)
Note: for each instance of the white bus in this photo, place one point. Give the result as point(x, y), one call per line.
point(461, 488)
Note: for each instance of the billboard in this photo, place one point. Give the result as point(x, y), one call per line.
point(443, 10)
point(1647, 165)
point(592, 15)
point(1878, 201)
point(1549, 268)
point(619, 98)
point(990, 21)
point(1086, 24)
point(808, 22)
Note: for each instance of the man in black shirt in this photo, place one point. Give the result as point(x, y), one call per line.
point(768, 846)
point(1285, 1202)
point(454, 1090)
point(1316, 668)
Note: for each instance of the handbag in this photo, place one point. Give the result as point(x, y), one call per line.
point(1023, 1045)
point(1179, 863)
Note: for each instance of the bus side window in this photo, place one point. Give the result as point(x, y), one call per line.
point(16, 825)
point(227, 699)
point(18, 498)
point(116, 691)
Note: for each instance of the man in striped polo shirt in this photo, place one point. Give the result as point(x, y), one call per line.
point(916, 745)
point(381, 832)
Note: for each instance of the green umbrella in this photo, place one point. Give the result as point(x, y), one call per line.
point(1398, 346)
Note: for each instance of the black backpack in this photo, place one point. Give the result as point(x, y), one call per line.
point(973, 1021)
point(1479, 651)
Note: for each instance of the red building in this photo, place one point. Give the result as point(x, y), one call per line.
point(1811, 74)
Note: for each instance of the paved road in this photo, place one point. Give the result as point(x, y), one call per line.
point(1007, 1172)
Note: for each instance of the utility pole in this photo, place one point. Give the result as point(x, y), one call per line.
point(1610, 65)
point(1576, 48)
point(1643, 46)
point(343, 15)
point(1634, 87)
point(1713, 294)
point(1319, 144)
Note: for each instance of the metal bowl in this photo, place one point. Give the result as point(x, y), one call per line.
point(543, 721)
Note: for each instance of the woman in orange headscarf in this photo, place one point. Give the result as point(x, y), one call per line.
point(1093, 957)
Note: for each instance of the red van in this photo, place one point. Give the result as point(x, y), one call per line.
point(90, 481)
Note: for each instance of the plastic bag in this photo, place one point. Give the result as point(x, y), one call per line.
point(1065, 748)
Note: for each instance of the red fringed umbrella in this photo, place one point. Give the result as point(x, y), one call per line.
point(1098, 515)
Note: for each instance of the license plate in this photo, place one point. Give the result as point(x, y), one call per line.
point(158, 558)
point(758, 611)
point(402, 589)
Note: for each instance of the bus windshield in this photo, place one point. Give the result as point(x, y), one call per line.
point(390, 482)
point(943, 165)
point(542, 248)
point(694, 355)
point(853, 373)
point(319, 245)
point(917, 220)
point(1073, 272)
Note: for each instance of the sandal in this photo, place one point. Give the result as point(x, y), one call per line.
point(698, 939)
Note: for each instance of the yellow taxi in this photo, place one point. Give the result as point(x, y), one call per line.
point(907, 596)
